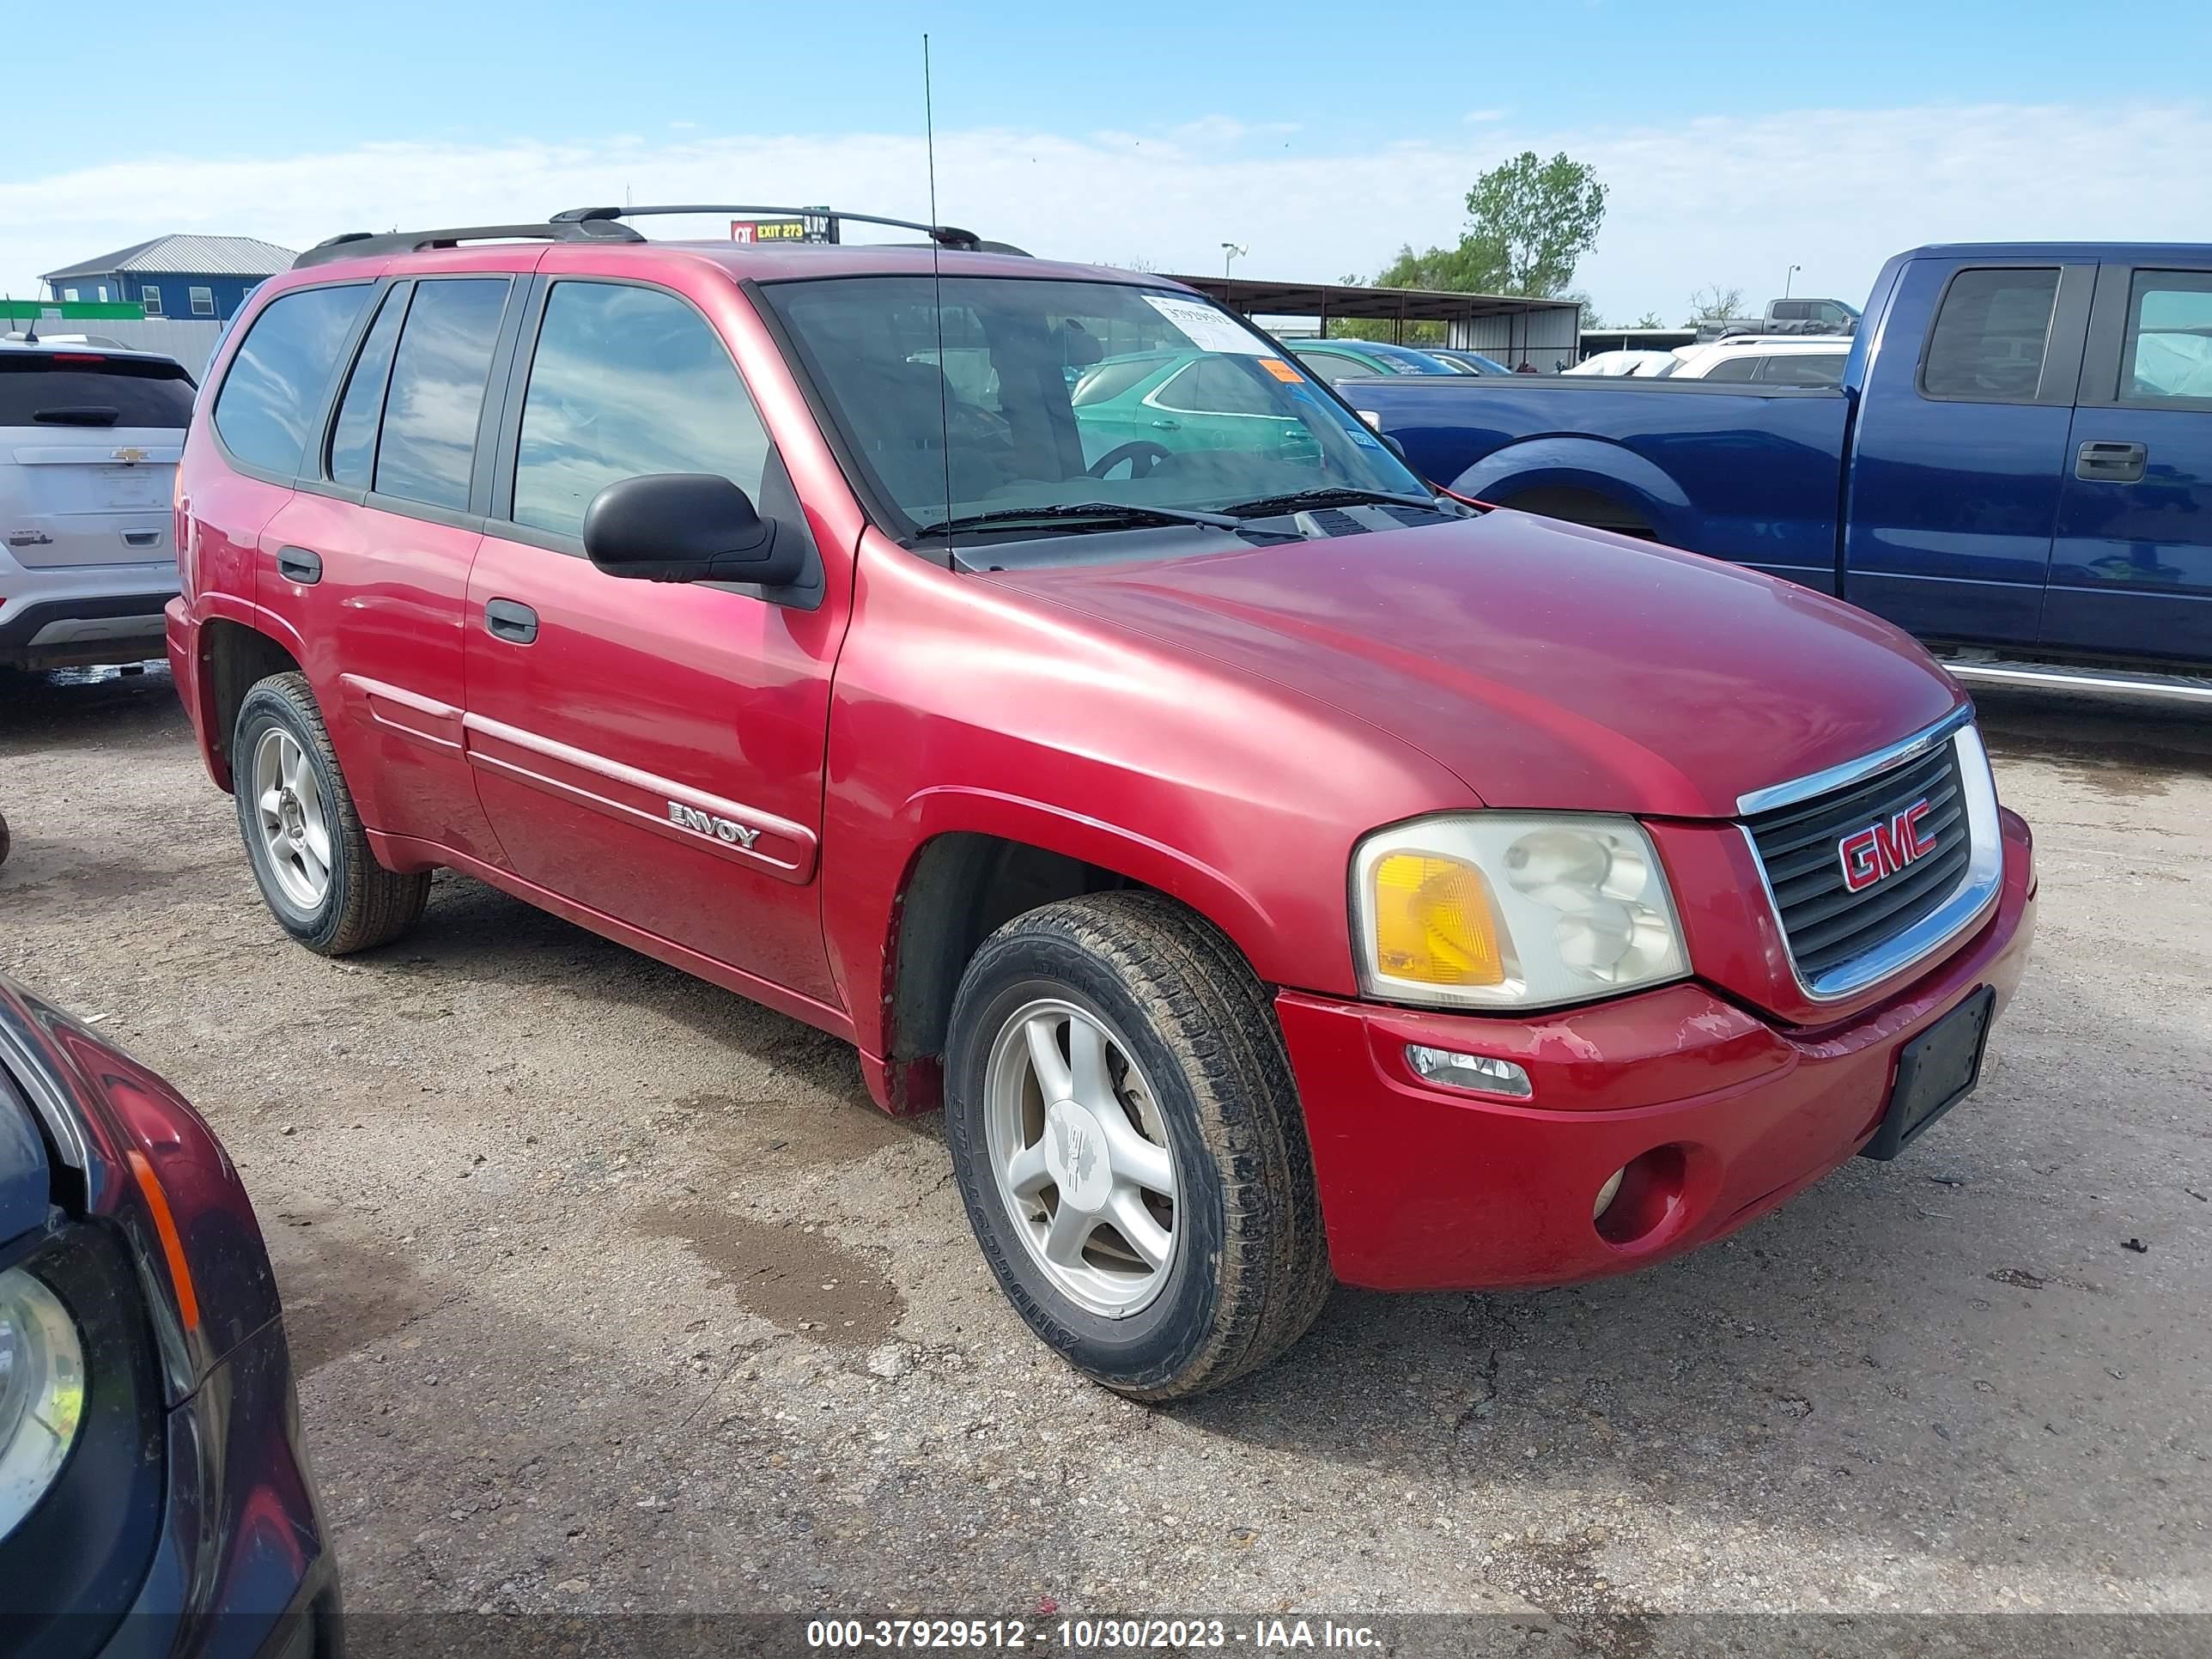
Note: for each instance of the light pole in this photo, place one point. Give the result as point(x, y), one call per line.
point(1231, 250)
point(1788, 277)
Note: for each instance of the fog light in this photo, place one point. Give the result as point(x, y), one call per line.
point(1479, 1072)
point(1606, 1194)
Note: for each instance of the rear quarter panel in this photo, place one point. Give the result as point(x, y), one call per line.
point(1750, 476)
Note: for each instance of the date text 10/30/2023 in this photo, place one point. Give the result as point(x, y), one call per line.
point(1088, 1634)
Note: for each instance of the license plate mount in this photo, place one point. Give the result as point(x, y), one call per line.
point(1935, 1071)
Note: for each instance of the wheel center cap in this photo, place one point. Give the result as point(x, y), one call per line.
point(1075, 1153)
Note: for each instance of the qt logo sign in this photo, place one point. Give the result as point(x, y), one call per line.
point(1884, 848)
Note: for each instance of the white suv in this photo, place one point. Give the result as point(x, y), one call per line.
point(1765, 358)
point(89, 438)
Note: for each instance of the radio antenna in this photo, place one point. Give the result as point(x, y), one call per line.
point(936, 292)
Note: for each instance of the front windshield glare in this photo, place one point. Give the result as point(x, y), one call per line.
point(1055, 394)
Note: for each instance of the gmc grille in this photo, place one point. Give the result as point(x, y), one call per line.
point(1826, 924)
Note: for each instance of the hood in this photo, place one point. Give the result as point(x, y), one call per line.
point(1547, 664)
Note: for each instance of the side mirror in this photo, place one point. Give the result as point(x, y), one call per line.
point(687, 527)
point(1392, 445)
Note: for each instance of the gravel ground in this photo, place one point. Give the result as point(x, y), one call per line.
point(610, 1291)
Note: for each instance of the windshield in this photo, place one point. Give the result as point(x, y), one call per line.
point(1061, 395)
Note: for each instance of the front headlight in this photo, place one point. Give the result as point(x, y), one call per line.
point(41, 1393)
point(1512, 909)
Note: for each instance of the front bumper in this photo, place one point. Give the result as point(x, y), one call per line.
point(242, 1569)
point(1429, 1189)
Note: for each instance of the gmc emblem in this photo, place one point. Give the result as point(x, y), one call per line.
point(1883, 849)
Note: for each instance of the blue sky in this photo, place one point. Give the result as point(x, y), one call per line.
point(1135, 133)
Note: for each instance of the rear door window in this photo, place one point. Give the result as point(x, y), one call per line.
point(2167, 355)
point(82, 388)
point(353, 440)
point(628, 381)
point(273, 394)
point(1990, 337)
point(1733, 368)
point(438, 373)
point(1215, 386)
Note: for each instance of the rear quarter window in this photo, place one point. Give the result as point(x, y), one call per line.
point(86, 390)
point(1988, 339)
point(273, 394)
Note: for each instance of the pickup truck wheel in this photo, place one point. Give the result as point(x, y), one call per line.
point(1127, 1140)
point(302, 832)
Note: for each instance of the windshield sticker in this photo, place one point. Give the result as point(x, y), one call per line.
point(1281, 370)
point(1207, 328)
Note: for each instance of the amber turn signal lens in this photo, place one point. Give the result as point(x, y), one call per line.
point(1434, 921)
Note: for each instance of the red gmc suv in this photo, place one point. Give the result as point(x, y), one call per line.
point(1280, 871)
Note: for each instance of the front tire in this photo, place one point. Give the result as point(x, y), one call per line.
point(302, 834)
point(1126, 1137)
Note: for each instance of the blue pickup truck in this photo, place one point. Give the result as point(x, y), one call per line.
point(2017, 467)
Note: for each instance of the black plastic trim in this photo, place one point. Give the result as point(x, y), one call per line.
point(361, 245)
point(18, 626)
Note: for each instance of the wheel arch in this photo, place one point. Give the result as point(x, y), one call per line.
point(976, 870)
point(1587, 480)
point(235, 655)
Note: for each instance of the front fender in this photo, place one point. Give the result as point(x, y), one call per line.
point(1603, 468)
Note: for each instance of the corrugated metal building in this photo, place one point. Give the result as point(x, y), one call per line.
point(206, 277)
point(1514, 329)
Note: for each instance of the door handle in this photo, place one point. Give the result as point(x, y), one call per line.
point(2107, 462)
point(296, 564)
point(1167, 426)
point(510, 620)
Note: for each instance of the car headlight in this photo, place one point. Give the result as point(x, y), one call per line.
point(1512, 909)
point(41, 1391)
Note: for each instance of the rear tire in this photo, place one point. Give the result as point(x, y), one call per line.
point(1189, 1110)
point(302, 834)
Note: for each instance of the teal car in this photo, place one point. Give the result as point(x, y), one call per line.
point(1127, 408)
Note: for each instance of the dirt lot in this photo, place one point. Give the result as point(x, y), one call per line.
point(610, 1291)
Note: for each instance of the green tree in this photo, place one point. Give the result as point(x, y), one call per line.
point(1529, 223)
point(1649, 319)
point(1539, 217)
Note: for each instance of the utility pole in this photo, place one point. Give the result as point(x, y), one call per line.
point(1788, 277)
point(1231, 250)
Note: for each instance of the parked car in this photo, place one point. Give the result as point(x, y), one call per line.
point(1471, 362)
point(88, 445)
point(1123, 403)
point(1623, 362)
point(1333, 360)
point(1762, 359)
point(153, 1487)
point(1806, 316)
point(1278, 872)
point(2017, 467)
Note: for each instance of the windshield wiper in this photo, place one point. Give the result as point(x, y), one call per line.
point(1269, 507)
point(1104, 513)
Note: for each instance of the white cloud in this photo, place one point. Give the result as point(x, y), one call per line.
point(1474, 116)
point(1729, 199)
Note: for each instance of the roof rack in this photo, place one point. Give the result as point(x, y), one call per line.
point(827, 219)
point(361, 244)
